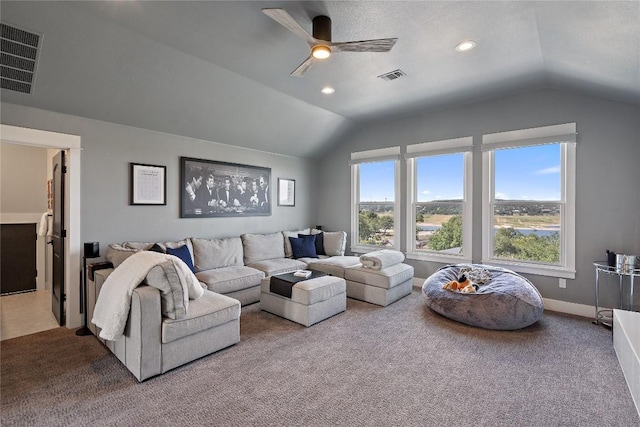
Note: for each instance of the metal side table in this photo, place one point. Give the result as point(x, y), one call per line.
point(605, 316)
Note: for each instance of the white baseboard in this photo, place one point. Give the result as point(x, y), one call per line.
point(569, 307)
point(417, 282)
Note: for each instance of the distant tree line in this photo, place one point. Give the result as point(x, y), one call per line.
point(508, 242)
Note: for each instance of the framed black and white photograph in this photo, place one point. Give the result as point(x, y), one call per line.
point(212, 189)
point(286, 192)
point(148, 184)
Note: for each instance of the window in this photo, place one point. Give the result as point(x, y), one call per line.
point(439, 202)
point(374, 188)
point(529, 200)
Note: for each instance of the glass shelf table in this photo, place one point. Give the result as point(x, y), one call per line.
point(604, 316)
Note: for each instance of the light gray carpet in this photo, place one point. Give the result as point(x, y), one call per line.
point(401, 365)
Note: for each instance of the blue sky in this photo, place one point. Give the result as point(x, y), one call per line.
point(531, 173)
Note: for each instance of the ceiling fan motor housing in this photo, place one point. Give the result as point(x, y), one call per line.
point(322, 28)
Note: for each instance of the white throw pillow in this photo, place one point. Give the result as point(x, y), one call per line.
point(335, 242)
point(288, 252)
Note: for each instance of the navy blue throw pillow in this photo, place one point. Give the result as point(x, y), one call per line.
point(183, 253)
point(157, 248)
point(303, 247)
point(319, 242)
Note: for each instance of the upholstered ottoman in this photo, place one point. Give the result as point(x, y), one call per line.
point(505, 300)
point(335, 265)
point(381, 287)
point(311, 300)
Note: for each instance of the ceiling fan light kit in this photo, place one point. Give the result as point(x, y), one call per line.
point(320, 42)
point(321, 51)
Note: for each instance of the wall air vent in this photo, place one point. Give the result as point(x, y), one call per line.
point(18, 58)
point(392, 75)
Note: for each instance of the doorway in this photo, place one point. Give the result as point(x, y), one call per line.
point(72, 247)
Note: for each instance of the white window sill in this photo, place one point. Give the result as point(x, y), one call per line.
point(442, 258)
point(539, 269)
point(367, 249)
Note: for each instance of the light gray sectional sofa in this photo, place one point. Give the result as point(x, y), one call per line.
point(231, 269)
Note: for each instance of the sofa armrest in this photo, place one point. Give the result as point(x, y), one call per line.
point(143, 341)
point(140, 348)
point(94, 284)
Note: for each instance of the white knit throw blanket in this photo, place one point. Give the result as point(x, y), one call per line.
point(112, 307)
point(384, 258)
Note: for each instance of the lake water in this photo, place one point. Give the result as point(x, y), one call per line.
point(542, 233)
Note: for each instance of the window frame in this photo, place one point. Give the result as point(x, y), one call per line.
point(373, 156)
point(463, 146)
point(563, 134)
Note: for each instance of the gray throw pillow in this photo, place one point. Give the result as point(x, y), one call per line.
point(116, 254)
point(173, 301)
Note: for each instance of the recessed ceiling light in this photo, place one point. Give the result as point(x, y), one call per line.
point(465, 45)
point(327, 90)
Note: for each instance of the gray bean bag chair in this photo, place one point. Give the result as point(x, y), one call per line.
point(505, 300)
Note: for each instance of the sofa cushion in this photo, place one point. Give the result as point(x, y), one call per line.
point(206, 312)
point(157, 248)
point(146, 246)
point(287, 245)
point(385, 278)
point(173, 300)
point(183, 253)
point(335, 242)
point(259, 247)
point(143, 246)
point(303, 247)
point(216, 253)
point(271, 267)
point(116, 254)
point(230, 279)
point(312, 291)
point(334, 265)
point(149, 246)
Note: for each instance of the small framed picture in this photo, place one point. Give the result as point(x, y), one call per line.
point(148, 184)
point(286, 192)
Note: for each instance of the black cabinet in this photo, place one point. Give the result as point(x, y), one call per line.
point(18, 258)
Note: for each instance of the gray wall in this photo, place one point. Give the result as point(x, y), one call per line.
point(23, 175)
point(108, 148)
point(608, 176)
point(608, 172)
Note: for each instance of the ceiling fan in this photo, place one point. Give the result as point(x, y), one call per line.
point(320, 42)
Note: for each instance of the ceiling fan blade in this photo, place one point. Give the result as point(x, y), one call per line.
point(304, 67)
point(283, 18)
point(378, 45)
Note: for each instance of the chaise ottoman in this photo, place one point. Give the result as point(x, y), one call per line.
point(311, 301)
point(380, 287)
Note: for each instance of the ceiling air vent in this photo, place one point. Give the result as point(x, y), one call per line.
point(18, 57)
point(392, 75)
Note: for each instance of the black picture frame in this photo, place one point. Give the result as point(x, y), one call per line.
point(249, 189)
point(286, 192)
point(148, 185)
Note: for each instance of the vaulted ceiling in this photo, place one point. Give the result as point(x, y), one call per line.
point(220, 70)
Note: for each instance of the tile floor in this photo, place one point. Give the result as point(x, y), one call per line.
point(25, 314)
